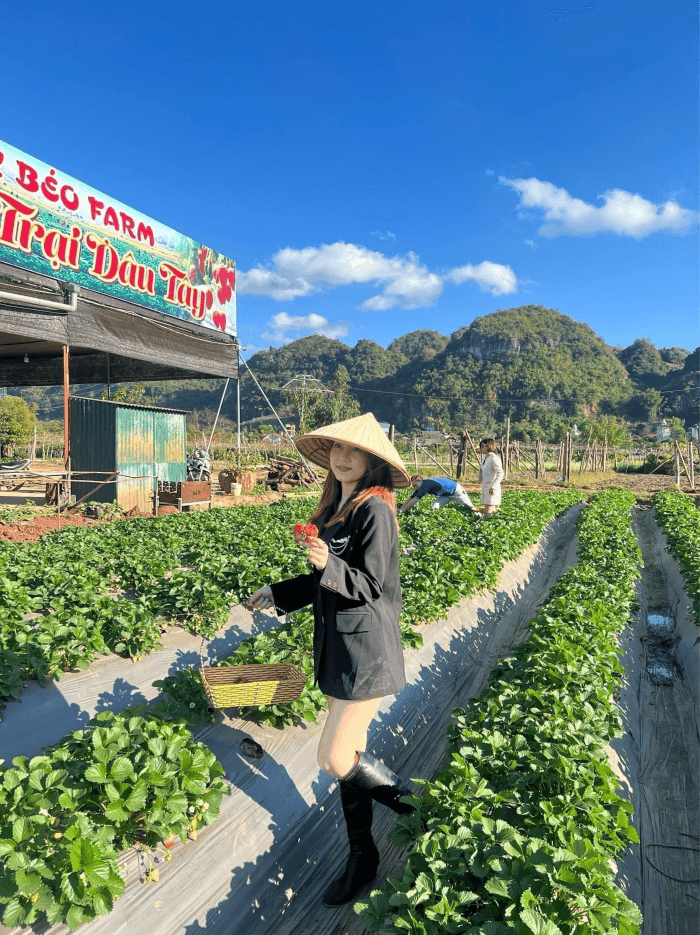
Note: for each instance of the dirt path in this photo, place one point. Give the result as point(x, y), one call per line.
point(658, 758)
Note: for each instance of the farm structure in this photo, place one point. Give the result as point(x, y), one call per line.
point(86, 300)
point(121, 440)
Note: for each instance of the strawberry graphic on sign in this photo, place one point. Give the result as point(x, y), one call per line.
point(226, 279)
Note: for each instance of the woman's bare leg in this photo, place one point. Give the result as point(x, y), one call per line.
point(344, 734)
point(488, 509)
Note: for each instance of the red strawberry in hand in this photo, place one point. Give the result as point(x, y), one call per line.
point(304, 533)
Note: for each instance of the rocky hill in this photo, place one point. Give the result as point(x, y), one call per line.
point(531, 363)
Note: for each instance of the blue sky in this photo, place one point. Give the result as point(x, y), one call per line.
point(386, 167)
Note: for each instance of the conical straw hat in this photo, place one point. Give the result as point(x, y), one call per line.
point(364, 432)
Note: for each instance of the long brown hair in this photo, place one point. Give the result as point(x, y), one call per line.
point(375, 482)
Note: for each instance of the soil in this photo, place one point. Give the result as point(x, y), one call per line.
point(29, 530)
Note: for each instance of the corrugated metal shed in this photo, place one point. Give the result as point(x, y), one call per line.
point(125, 440)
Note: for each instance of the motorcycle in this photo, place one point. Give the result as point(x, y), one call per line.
point(199, 466)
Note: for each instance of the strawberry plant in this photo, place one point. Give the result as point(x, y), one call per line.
point(680, 520)
point(83, 592)
point(525, 819)
point(127, 779)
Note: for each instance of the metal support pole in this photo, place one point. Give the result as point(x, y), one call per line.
point(66, 396)
point(213, 428)
point(238, 420)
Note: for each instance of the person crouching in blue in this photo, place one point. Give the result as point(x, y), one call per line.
point(443, 489)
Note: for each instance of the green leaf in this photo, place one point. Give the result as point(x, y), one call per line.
point(121, 769)
point(537, 924)
point(96, 772)
point(74, 918)
point(14, 914)
point(116, 811)
point(82, 854)
point(27, 883)
point(20, 829)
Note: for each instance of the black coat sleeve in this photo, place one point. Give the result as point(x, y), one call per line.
point(294, 593)
point(376, 539)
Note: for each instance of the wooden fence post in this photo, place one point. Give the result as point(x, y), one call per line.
point(676, 463)
point(605, 452)
point(567, 458)
point(506, 452)
point(691, 465)
point(462, 455)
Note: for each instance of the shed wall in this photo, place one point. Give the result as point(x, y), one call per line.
point(93, 448)
point(145, 443)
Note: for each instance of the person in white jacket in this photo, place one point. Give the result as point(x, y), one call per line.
point(490, 474)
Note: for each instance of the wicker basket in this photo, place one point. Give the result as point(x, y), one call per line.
point(234, 686)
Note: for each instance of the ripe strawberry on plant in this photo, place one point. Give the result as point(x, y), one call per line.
point(304, 532)
point(170, 840)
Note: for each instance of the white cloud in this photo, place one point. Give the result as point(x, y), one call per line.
point(406, 282)
point(489, 172)
point(384, 235)
point(531, 243)
point(620, 213)
point(282, 323)
point(490, 277)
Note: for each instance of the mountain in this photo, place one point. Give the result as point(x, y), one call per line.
point(541, 368)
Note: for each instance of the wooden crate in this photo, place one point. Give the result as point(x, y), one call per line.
point(183, 493)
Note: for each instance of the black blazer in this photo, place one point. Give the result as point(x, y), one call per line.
point(357, 603)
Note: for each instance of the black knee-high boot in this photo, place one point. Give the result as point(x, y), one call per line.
point(381, 783)
point(363, 861)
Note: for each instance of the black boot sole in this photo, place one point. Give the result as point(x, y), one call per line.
point(351, 898)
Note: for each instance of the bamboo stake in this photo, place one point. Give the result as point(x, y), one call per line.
point(476, 453)
point(682, 459)
point(441, 466)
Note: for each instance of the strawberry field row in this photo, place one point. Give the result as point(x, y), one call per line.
point(125, 780)
point(680, 520)
point(447, 554)
point(525, 820)
point(132, 778)
point(113, 588)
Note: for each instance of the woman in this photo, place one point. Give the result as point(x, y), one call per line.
point(490, 474)
point(356, 596)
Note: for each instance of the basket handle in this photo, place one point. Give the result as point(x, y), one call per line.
point(279, 643)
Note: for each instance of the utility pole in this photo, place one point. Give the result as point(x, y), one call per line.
point(299, 386)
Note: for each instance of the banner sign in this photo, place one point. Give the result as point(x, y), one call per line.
point(50, 223)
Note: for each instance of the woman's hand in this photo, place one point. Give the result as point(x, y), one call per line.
point(491, 491)
point(318, 553)
point(262, 599)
